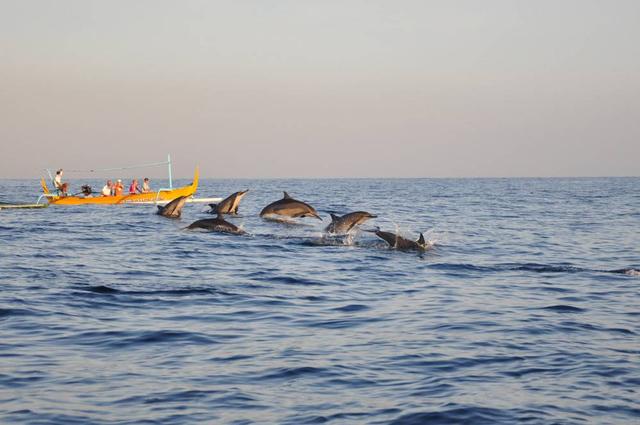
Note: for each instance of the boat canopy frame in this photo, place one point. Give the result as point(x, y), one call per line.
point(129, 167)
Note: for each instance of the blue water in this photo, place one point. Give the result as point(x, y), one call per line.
point(526, 310)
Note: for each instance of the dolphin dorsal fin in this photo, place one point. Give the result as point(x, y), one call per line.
point(160, 207)
point(334, 217)
point(286, 195)
point(421, 239)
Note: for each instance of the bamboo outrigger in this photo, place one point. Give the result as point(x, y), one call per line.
point(160, 196)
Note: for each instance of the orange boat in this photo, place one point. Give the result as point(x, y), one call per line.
point(150, 197)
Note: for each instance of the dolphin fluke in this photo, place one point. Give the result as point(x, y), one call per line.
point(174, 208)
point(229, 205)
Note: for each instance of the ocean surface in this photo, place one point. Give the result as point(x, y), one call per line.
point(526, 310)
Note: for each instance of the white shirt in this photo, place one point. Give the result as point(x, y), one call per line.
point(106, 190)
point(58, 181)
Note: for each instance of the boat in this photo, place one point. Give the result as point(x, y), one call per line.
point(160, 196)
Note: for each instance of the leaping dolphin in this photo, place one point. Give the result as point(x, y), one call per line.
point(174, 208)
point(217, 224)
point(229, 205)
point(287, 206)
point(398, 242)
point(343, 225)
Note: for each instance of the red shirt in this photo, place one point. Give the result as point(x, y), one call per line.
point(133, 188)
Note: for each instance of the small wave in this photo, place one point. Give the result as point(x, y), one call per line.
point(8, 312)
point(119, 339)
point(295, 372)
point(530, 267)
point(351, 308)
point(102, 290)
point(468, 415)
point(338, 323)
point(290, 280)
point(564, 309)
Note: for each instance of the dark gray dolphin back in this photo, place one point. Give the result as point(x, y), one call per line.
point(217, 224)
point(289, 207)
point(398, 242)
point(347, 222)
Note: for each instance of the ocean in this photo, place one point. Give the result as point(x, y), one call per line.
point(526, 310)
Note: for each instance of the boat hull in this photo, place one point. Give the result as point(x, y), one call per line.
point(142, 198)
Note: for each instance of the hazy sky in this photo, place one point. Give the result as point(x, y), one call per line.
point(322, 88)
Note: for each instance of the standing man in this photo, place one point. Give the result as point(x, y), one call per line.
point(57, 181)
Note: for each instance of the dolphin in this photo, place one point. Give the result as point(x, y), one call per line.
point(343, 225)
point(174, 208)
point(229, 205)
point(217, 224)
point(290, 207)
point(398, 242)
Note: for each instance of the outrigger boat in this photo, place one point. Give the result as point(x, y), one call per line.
point(160, 196)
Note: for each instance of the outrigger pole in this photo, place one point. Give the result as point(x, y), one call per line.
point(170, 176)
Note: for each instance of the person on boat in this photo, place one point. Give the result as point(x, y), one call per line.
point(57, 181)
point(87, 191)
point(133, 188)
point(118, 188)
point(145, 185)
point(107, 189)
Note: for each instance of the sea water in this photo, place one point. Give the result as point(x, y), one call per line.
point(526, 310)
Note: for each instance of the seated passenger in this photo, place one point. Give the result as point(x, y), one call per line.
point(107, 189)
point(87, 191)
point(133, 188)
point(145, 185)
point(118, 188)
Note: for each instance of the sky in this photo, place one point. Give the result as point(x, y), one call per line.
point(344, 88)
